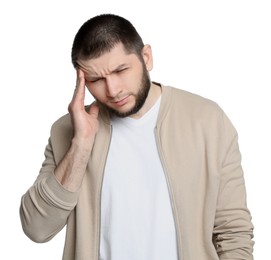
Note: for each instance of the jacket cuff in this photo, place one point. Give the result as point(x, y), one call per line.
point(57, 194)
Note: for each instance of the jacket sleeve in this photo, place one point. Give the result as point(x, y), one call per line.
point(46, 205)
point(233, 231)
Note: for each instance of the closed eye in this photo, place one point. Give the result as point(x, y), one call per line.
point(92, 80)
point(121, 70)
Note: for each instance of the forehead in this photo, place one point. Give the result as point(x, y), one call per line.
point(108, 61)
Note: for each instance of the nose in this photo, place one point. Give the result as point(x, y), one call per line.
point(112, 87)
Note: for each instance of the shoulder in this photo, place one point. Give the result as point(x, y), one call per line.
point(64, 122)
point(189, 103)
point(188, 110)
point(61, 130)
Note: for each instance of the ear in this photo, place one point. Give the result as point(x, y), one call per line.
point(147, 56)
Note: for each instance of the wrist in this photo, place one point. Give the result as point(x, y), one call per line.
point(82, 143)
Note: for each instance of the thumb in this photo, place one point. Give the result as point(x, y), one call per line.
point(94, 110)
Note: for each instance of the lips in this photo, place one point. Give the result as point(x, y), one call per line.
point(121, 102)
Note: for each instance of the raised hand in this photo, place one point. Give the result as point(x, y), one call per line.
point(85, 123)
point(71, 170)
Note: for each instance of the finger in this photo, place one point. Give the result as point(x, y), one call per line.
point(94, 110)
point(80, 80)
point(79, 92)
point(80, 77)
point(78, 98)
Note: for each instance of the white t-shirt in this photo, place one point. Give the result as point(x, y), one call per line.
point(136, 214)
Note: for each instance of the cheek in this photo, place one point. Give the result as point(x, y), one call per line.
point(96, 92)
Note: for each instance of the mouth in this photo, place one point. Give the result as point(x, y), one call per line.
point(121, 102)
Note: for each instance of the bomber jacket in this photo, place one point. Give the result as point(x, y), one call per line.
point(198, 148)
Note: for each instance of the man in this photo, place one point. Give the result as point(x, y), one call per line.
point(145, 172)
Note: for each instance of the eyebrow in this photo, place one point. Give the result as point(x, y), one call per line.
point(96, 77)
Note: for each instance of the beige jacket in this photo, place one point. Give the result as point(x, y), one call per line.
point(199, 151)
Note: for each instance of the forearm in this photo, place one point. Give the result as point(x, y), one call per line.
point(46, 205)
point(71, 170)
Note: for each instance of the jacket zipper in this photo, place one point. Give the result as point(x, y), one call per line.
point(178, 236)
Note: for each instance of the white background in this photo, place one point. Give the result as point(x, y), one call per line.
point(218, 49)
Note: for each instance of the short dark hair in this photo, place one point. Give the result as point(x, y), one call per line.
point(101, 33)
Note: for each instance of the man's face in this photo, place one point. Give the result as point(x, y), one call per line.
point(118, 81)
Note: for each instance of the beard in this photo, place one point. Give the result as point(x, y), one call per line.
point(140, 97)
